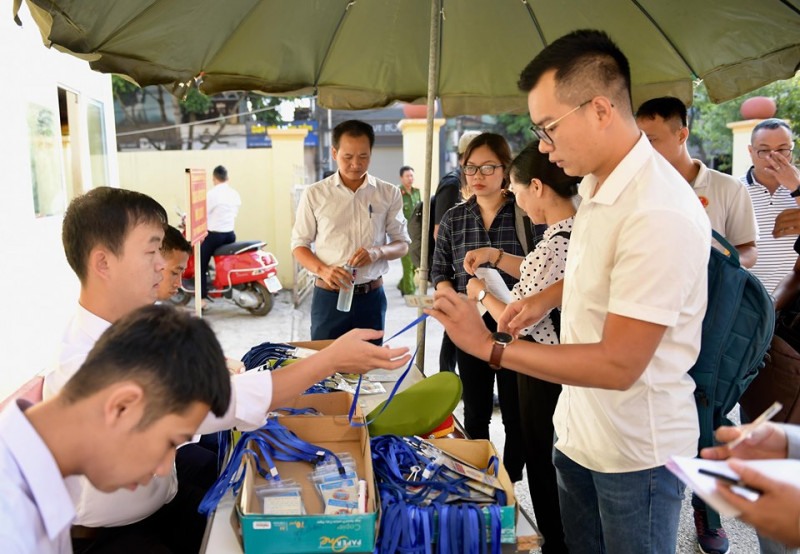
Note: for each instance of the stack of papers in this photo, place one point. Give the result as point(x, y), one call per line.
point(687, 470)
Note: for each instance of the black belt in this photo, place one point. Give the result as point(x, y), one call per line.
point(363, 288)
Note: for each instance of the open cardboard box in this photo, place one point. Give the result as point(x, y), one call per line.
point(477, 453)
point(313, 532)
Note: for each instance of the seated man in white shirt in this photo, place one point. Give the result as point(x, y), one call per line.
point(143, 389)
point(111, 240)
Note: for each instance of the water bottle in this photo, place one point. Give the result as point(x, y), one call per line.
point(346, 295)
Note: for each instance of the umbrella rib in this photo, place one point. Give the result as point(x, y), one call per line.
point(330, 45)
point(790, 6)
point(535, 23)
point(663, 34)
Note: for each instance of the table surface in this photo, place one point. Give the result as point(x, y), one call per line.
point(221, 538)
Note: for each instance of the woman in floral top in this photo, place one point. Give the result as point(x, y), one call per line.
point(547, 195)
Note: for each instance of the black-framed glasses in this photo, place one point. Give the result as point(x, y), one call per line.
point(764, 154)
point(486, 169)
point(541, 131)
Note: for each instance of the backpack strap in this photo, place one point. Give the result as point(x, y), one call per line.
point(563, 234)
point(730, 252)
point(522, 223)
point(555, 313)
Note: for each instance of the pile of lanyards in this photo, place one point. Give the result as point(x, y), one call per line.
point(425, 507)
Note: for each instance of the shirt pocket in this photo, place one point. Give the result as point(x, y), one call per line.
point(378, 227)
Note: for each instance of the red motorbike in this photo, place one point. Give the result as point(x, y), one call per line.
point(239, 271)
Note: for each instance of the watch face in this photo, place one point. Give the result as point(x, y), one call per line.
point(503, 338)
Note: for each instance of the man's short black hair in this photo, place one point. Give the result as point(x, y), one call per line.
point(772, 123)
point(172, 355)
point(587, 63)
point(666, 107)
point(174, 241)
point(221, 173)
point(103, 217)
point(354, 128)
point(405, 168)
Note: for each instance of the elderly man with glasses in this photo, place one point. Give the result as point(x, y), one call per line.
point(773, 183)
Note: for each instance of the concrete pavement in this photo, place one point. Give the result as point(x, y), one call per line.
point(238, 331)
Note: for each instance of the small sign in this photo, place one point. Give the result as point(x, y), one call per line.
point(198, 220)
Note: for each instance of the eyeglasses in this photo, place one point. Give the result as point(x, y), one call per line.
point(541, 132)
point(487, 169)
point(764, 154)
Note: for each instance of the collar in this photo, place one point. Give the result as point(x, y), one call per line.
point(336, 181)
point(750, 179)
point(471, 204)
point(54, 496)
point(700, 181)
point(563, 225)
point(91, 324)
point(620, 177)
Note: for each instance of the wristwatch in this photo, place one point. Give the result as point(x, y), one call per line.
point(795, 193)
point(481, 296)
point(501, 340)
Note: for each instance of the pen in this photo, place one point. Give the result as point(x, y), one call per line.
point(768, 414)
point(370, 211)
point(728, 479)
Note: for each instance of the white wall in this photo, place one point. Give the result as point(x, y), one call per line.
point(38, 289)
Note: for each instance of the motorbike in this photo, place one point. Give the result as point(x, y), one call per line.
point(240, 271)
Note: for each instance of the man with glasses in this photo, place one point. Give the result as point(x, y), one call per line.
point(632, 303)
point(772, 182)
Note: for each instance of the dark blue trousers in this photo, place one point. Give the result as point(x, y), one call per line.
point(367, 312)
point(213, 241)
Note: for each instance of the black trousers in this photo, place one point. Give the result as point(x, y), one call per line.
point(177, 527)
point(447, 354)
point(213, 241)
point(478, 380)
point(537, 402)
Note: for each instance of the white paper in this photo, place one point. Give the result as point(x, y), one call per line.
point(494, 283)
point(687, 470)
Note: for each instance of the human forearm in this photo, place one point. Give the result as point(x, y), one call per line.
point(748, 254)
point(393, 250)
point(787, 289)
point(308, 260)
point(494, 305)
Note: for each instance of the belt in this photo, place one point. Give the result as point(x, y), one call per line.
point(363, 288)
point(81, 532)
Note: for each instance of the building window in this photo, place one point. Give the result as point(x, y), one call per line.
point(46, 172)
point(97, 143)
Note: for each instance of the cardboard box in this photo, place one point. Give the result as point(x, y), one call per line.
point(311, 533)
point(477, 453)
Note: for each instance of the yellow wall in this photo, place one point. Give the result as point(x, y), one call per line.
point(162, 176)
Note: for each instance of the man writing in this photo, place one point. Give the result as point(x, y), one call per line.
point(348, 217)
point(143, 389)
point(633, 299)
point(111, 240)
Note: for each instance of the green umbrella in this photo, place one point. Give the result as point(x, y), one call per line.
point(355, 54)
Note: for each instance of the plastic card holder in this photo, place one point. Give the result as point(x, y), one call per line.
point(281, 498)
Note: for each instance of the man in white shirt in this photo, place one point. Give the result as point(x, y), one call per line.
point(773, 183)
point(111, 240)
point(725, 200)
point(634, 296)
point(143, 389)
point(222, 205)
point(348, 217)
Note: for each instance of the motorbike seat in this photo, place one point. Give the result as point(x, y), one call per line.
point(238, 247)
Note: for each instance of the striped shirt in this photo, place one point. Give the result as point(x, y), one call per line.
point(776, 257)
point(462, 230)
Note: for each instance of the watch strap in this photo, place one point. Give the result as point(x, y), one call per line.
point(795, 193)
point(497, 354)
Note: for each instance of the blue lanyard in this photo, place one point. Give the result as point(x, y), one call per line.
point(414, 323)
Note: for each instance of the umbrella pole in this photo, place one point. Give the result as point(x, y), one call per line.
point(433, 71)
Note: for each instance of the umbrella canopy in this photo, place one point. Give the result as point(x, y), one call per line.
point(356, 54)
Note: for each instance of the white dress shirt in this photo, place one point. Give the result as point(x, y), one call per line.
point(639, 248)
point(251, 394)
point(222, 203)
point(36, 502)
point(339, 221)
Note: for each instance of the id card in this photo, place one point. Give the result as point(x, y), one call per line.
point(418, 301)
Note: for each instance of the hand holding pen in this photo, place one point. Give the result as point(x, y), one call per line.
point(758, 440)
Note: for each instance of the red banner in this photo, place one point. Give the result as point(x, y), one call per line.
point(198, 220)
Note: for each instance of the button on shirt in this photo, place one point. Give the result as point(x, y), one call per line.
point(338, 221)
point(251, 394)
point(222, 203)
point(639, 248)
point(37, 503)
point(776, 258)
